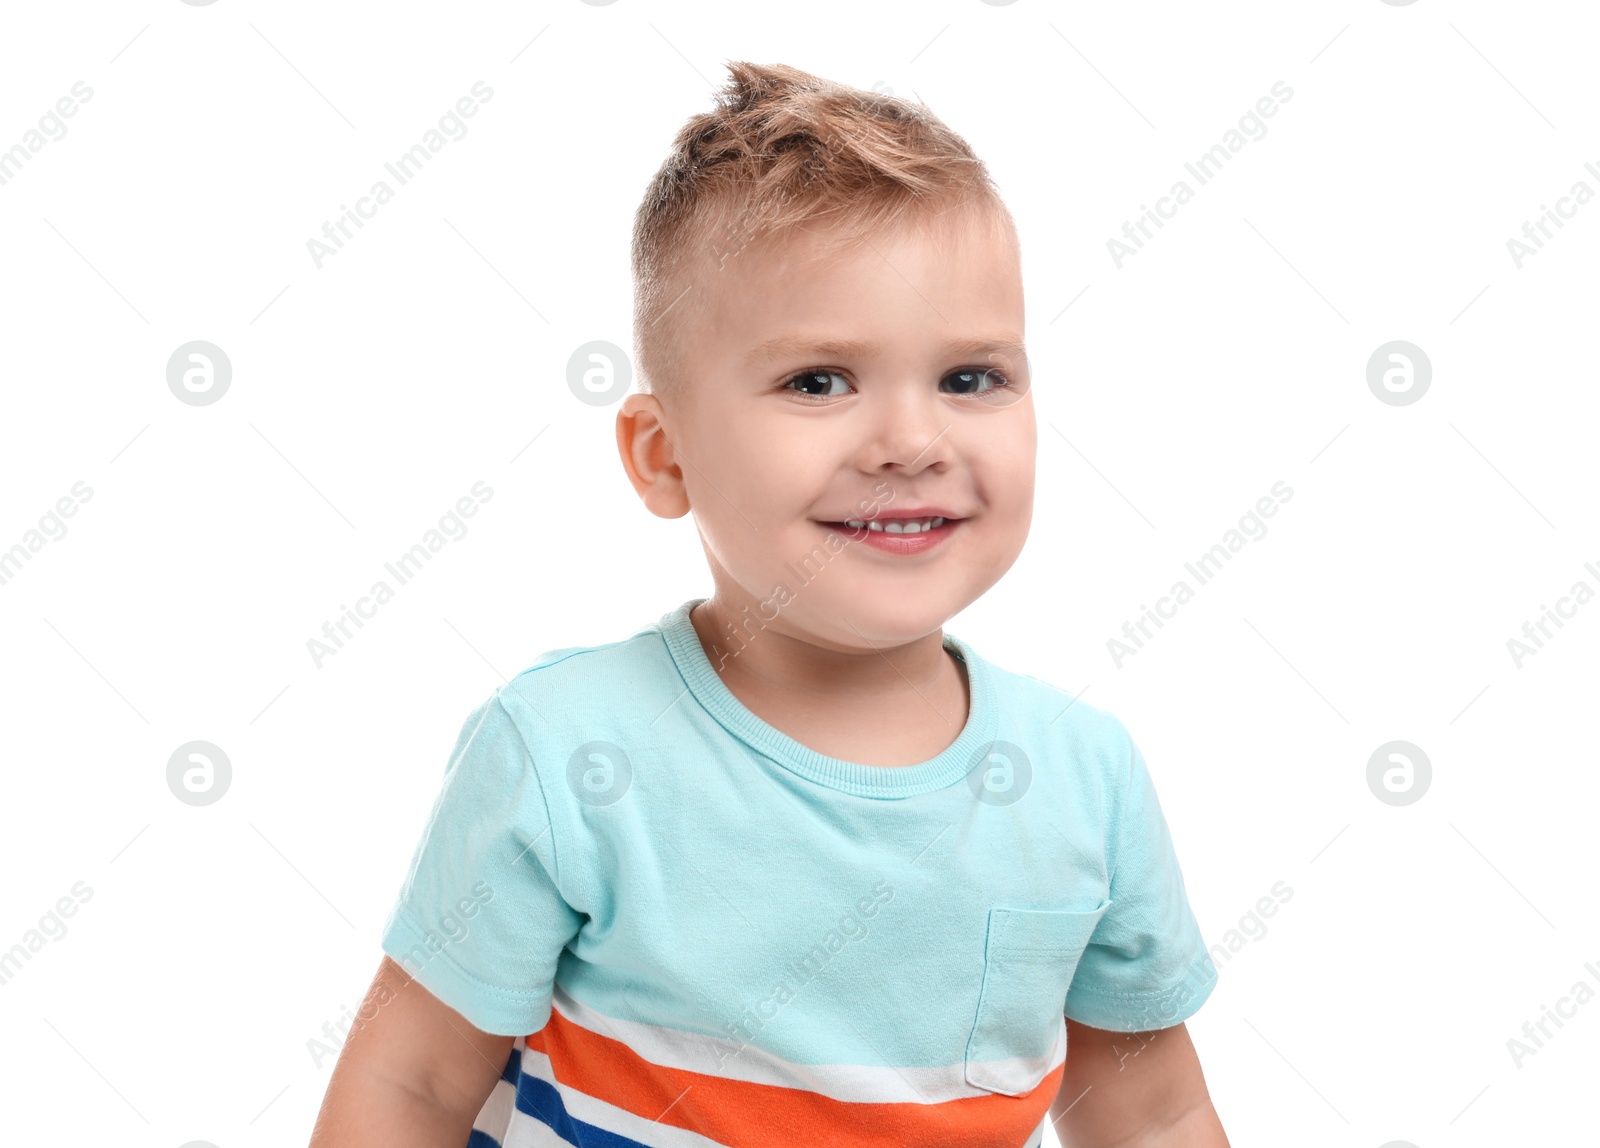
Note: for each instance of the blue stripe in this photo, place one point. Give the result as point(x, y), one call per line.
point(540, 1100)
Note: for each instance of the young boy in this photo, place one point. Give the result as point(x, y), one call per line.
point(792, 866)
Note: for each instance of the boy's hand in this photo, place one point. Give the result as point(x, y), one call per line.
point(1134, 1090)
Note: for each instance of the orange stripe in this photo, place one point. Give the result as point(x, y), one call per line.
point(746, 1115)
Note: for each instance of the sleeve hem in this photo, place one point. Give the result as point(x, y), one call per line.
point(489, 1007)
point(1145, 1010)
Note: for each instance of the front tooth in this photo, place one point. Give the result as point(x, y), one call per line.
point(908, 526)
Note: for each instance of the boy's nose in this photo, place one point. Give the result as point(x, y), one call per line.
point(910, 431)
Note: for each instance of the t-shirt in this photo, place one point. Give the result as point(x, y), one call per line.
point(704, 933)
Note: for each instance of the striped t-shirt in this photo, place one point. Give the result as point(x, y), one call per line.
point(704, 933)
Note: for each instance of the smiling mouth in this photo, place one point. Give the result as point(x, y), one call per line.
point(895, 525)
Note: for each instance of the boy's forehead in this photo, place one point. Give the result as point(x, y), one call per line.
point(781, 272)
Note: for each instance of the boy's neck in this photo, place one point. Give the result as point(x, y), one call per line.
point(891, 706)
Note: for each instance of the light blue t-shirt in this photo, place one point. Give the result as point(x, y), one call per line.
point(698, 928)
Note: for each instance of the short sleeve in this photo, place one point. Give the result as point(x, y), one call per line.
point(1146, 966)
point(480, 920)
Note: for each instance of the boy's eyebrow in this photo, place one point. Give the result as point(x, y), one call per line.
point(786, 345)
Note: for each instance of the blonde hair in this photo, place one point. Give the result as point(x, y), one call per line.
point(785, 151)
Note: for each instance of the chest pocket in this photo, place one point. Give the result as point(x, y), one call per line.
point(1028, 962)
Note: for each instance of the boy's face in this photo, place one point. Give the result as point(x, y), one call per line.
point(775, 448)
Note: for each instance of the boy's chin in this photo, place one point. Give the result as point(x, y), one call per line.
point(904, 615)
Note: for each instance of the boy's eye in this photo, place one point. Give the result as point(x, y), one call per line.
point(982, 382)
point(818, 383)
point(975, 381)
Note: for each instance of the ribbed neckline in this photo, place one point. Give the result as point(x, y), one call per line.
point(956, 762)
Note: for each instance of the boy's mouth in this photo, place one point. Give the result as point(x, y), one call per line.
point(895, 525)
point(902, 524)
point(903, 536)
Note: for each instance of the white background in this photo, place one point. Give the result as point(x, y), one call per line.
point(370, 394)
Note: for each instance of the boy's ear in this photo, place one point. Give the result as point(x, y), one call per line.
point(648, 457)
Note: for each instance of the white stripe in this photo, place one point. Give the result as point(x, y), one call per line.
point(851, 1083)
point(524, 1131)
point(495, 1115)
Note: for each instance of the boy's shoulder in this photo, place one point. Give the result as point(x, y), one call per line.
point(1039, 706)
point(603, 675)
point(620, 689)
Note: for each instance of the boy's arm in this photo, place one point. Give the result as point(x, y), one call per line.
point(1134, 1090)
point(413, 1074)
